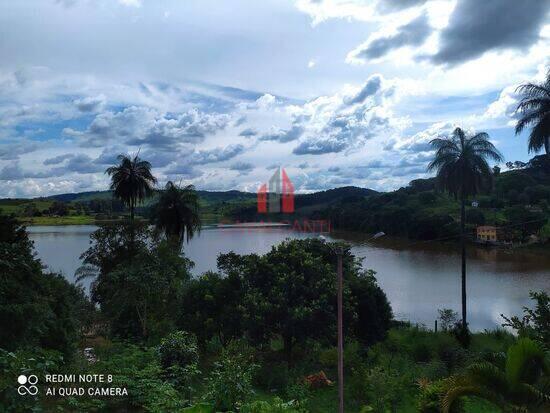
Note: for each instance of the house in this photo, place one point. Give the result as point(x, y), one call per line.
point(488, 233)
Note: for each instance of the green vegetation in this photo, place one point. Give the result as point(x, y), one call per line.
point(258, 334)
point(227, 346)
point(534, 109)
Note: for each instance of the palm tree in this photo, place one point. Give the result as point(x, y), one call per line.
point(520, 385)
point(534, 109)
point(131, 181)
point(462, 170)
point(177, 213)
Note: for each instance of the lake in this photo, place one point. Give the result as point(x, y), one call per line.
point(418, 277)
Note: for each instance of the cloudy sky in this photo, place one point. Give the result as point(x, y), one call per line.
point(218, 93)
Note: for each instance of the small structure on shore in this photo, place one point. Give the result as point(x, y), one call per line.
point(489, 233)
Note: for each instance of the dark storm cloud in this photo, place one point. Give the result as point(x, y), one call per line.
point(476, 27)
point(413, 33)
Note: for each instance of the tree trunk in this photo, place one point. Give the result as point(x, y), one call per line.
point(463, 249)
point(132, 210)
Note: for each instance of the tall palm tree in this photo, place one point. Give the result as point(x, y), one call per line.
point(520, 384)
point(177, 213)
point(131, 181)
point(534, 109)
point(462, 170)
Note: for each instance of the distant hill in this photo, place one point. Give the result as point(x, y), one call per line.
point(346, 192)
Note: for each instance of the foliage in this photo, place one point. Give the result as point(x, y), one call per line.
point(461, 162)
point(179, 358)
point(211, 307)
point(429, 400)
point(36, 308)
point(131, 181)
point(275, 406)
point(535, 323)
point(230, 382)
point(32, 361)
point(177, 213)
point(448, 318)
point(139, 371)
point(534, 110)
point(290, 293)
point(519, 385)
point(138, 279)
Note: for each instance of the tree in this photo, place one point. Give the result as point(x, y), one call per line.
point(535, 323)
point(462, 170)
point(177, 213)
point(131, 181)
point(211, 307)
point(290, 293)
point(534, 110)
point(138, 279)
point(37, 308)
point(518, 385)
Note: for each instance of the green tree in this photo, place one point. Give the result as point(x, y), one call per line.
point(138, 279)
point(517, 386)
point(131, 181)
point(177, 213)
point(534, 109)
point(212, 307)
point(462, 170)
point(37, 308)
point(290, 293)
point(535, 323)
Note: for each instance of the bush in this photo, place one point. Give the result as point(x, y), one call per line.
point(275, 406)
point(429, 400)
point(179, 349)
point(179, 358)
point(12, 364)
point(230, 382)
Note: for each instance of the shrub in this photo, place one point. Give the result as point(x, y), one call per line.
point(272, 376)
point(12, 364)
point(429, 400)
point(179, 349)
point(230, 382)
point(275, 406)
point(179, 357)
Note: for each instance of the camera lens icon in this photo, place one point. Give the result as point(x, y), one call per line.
point(27, 385)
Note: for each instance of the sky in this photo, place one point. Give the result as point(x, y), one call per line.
point(220, 93)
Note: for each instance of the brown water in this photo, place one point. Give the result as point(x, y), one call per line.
point(418, 278)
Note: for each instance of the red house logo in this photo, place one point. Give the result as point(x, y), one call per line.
point(277, 195)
